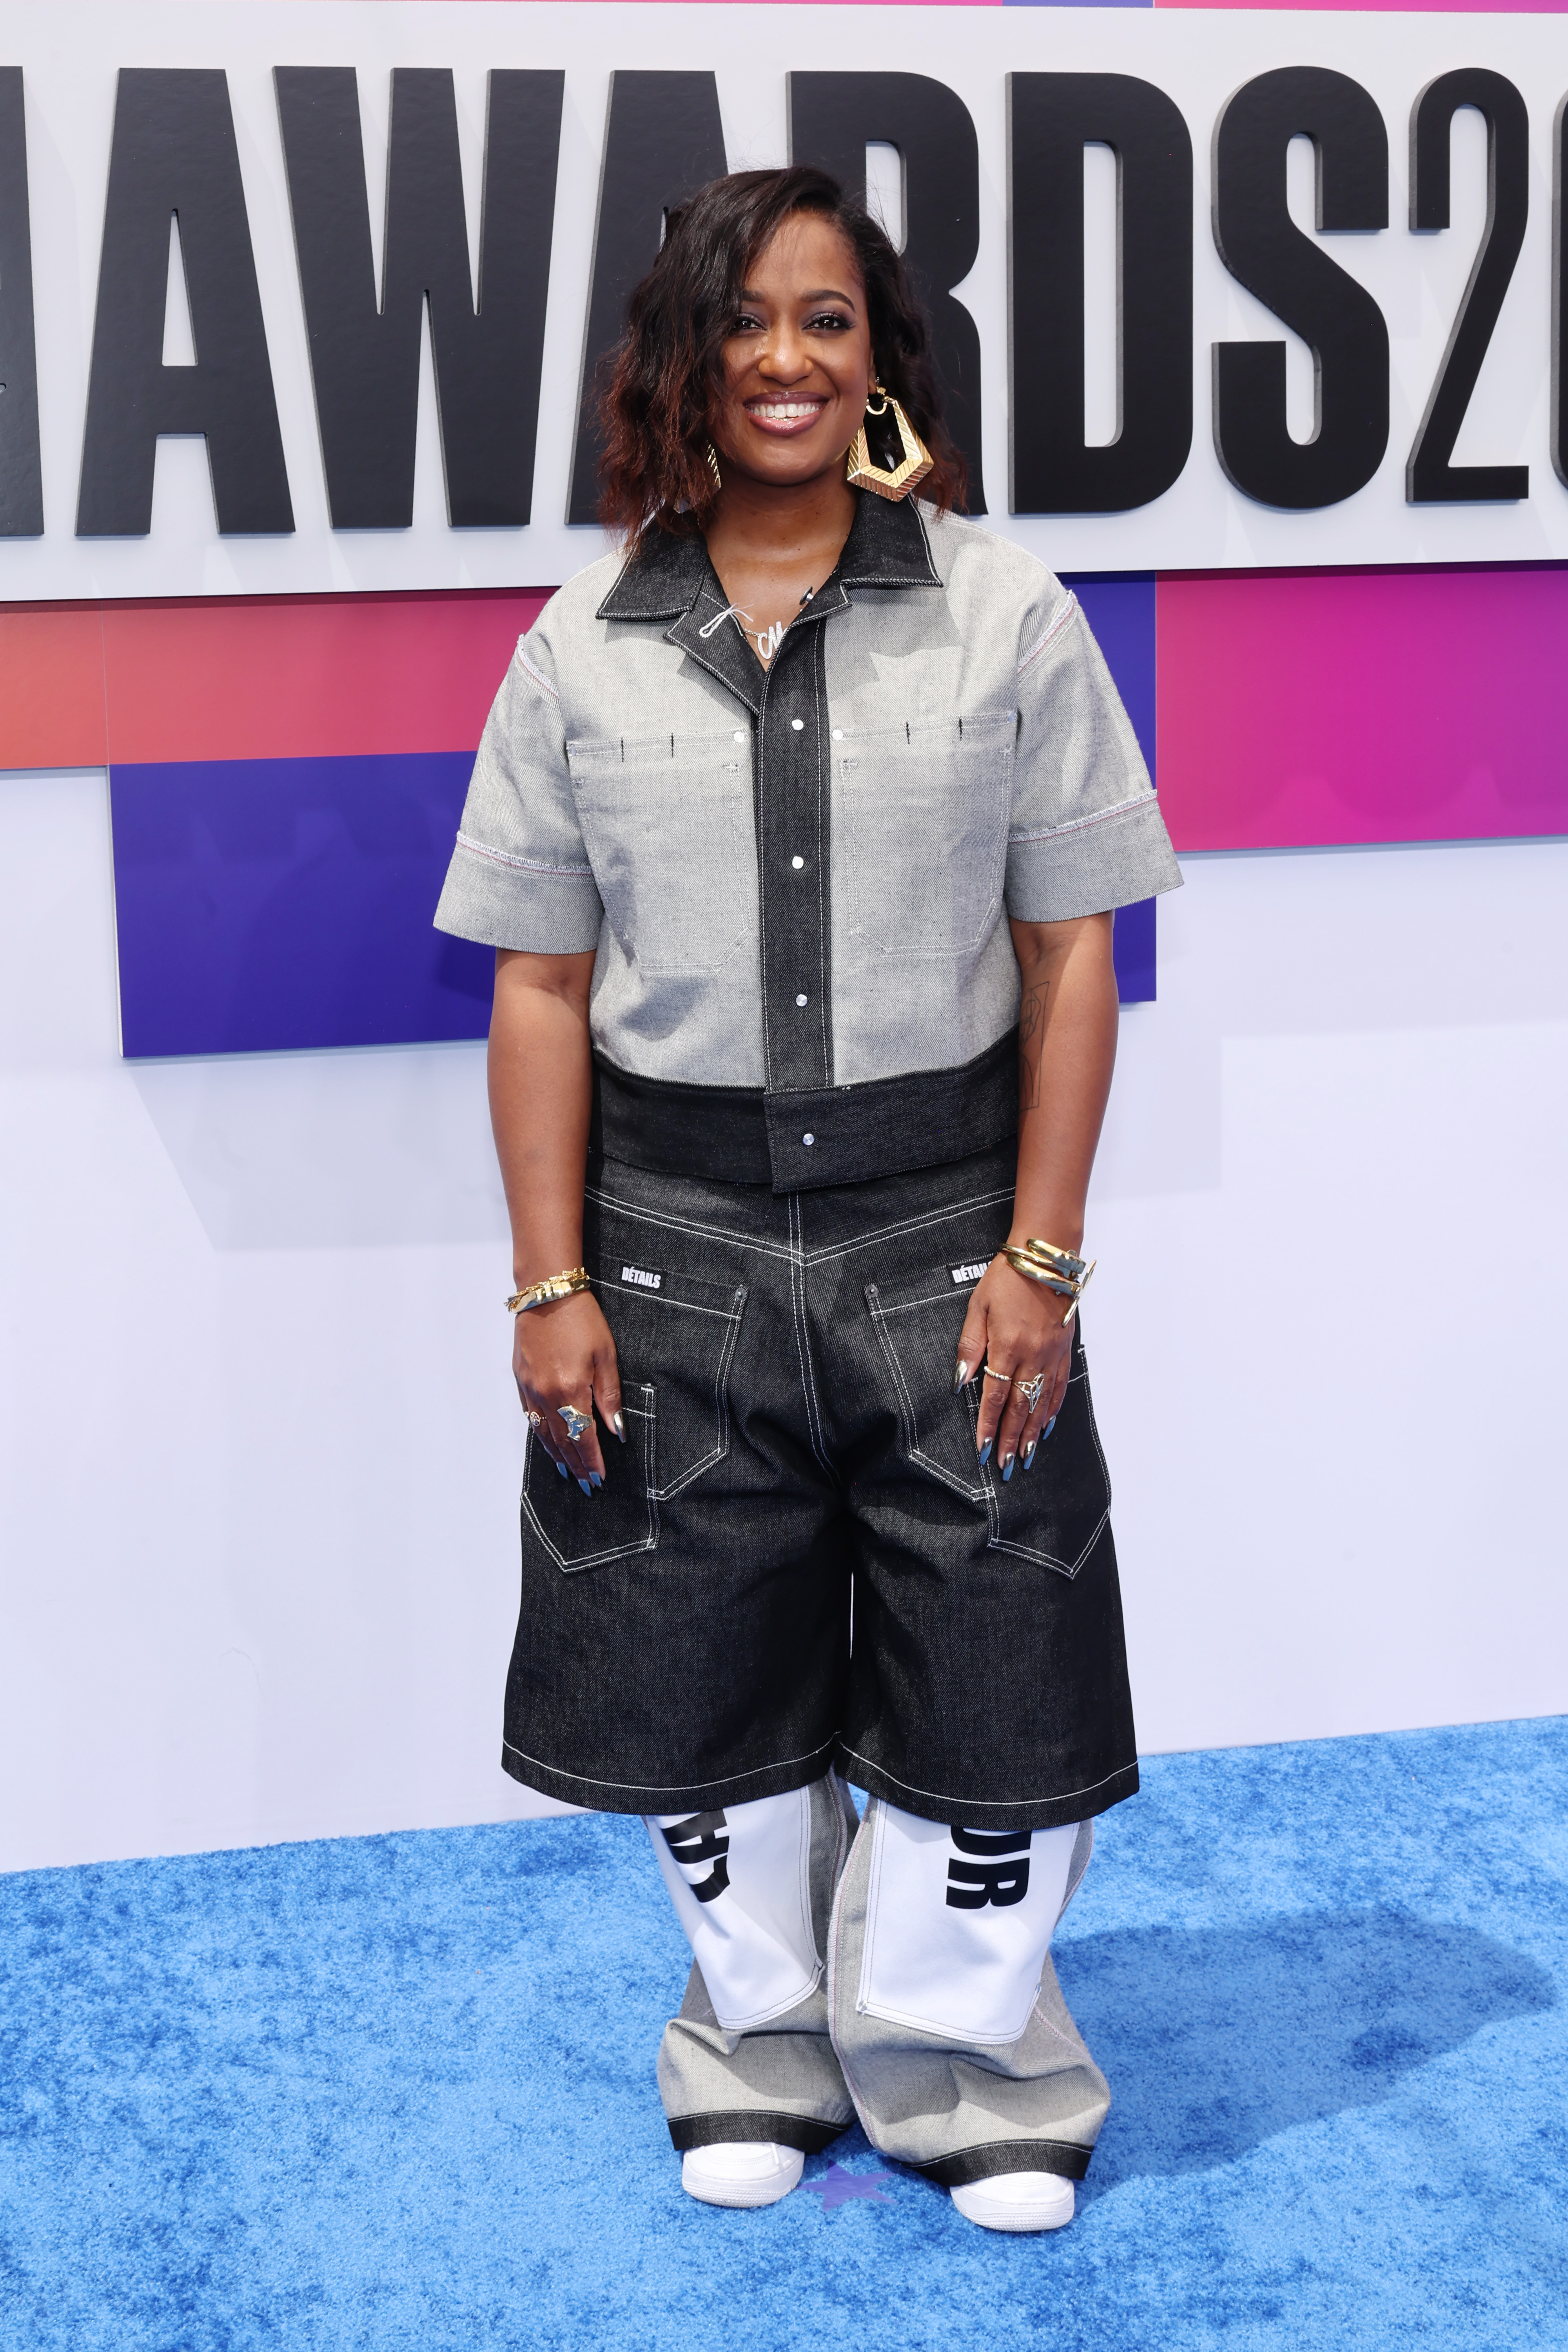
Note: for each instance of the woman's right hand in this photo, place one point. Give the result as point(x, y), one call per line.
point(562, 1354)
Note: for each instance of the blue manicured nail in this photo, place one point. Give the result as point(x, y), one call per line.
point(561, 1467)
point(583, 1484)
point(1007, 1460)
point(986, 1453)
point(1047, 1428)
point(595, 1480)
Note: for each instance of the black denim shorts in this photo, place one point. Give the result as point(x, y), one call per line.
point(797, 1559)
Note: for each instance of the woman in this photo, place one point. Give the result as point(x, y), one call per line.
point(775, 1089)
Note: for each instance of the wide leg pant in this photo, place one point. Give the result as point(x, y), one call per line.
point(896, 1969)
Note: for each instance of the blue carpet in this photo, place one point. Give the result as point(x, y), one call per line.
point(398, 2091)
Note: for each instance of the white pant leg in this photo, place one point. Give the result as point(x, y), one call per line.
point(741, 1882)
point(958, 1924)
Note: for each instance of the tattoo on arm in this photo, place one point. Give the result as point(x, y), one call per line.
point(1031, 1043)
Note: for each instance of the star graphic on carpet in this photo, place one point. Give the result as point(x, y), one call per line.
point(837, 2188)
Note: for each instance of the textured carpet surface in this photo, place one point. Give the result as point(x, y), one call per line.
point(398, 2091)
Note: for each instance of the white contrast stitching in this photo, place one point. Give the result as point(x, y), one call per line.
point(910, 1225)
point(660, 1788)
point(1078, 823)
point(521, 864)
point(963, 1806)
point(686, 1224)
point(536, 675)
point(803, 1337)
point(1057, 625)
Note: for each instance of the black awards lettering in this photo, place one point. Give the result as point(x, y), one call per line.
point(173, 153)
point(698, 1840)
point(1052, 117)
point(1430, 477)
point(176, 198)
point(998, 1874)
point(21, 476)
point(487, 343)
point(1289, 273)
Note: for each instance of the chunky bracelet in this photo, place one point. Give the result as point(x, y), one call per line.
point(1060, 1270)
point(554, 1285)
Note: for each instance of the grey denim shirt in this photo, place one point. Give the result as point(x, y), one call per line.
point(797, 879)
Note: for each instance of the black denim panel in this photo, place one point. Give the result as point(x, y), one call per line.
point(712, 1664)
point(673, 578)
point(999, 2156)
point(738, 1135)
point(727, 2125)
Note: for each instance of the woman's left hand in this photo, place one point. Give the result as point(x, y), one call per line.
point(1013, 1331)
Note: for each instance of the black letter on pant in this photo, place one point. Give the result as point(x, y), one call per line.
point(21, 482)
point(1263, 249)
point(833, 117)
point(364, 356)
point(175, 152)
point(1051, 118)
point(696, 1840)
point(663, 140)
point(971, 1885)
point(1429, 476)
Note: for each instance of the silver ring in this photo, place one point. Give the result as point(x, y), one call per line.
point(1031, 1389)
point(572, 1422)
point(534, 1419)
point(998, 1376)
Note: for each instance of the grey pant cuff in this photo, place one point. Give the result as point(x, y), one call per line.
point(734, 2123)
point(1060, 2156)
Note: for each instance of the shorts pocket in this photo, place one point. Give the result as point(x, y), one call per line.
point(918, 1323)
point(1054, 1514)
point(675, 1339)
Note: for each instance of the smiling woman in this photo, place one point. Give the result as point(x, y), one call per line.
point(798, 828)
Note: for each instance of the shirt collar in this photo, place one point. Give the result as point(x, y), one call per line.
point(887, 548)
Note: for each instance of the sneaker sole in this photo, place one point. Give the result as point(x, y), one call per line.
point(1019, 2220)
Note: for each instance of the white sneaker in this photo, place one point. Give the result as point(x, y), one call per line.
point(748, 2172)
point(1016, 2200)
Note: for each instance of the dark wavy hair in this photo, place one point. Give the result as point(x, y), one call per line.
point(665, 381)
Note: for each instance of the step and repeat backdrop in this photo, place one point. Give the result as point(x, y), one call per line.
point(1252, 326)
point(306, 302)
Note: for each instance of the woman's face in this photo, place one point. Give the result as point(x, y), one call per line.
point(797, 366)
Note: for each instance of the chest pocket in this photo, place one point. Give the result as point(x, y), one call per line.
point(667, 822)
point(927, 808)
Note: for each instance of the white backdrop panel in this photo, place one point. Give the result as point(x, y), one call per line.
point(71, 49)
point(258, 1451)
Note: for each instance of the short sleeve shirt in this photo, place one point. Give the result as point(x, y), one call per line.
point(800, 877)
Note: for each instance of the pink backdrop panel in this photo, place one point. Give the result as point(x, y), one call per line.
point(1305, 709)
point(1466, 7)
point(300, 677)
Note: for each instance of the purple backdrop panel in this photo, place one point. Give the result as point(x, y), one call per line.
point(271, 905)
point(1120, 608)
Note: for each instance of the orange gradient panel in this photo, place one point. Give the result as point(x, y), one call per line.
point(51, 686)
point(296, 677)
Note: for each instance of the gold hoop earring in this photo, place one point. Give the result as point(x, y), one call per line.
point(713, 467)
point(915, 460)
